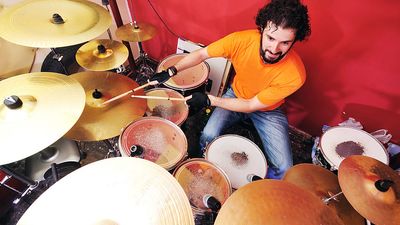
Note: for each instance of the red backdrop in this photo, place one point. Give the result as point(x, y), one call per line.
point(350, 57)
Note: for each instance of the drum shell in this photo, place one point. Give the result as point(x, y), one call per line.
point(164, 143)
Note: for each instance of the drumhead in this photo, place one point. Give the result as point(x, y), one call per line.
point(163, 142)
point(335, 139)
point(174, 111)
point(238, 156)
point(188, 79)
point(199, 177)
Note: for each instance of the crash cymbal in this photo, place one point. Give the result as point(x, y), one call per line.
point(102, 54)
point(275, 202)
point(103, 121)
point(136, 32)
point(15, 59)
point(51, 105)
point(324, 184)
point(51, 24)
point(372, 188)
point(114, 191)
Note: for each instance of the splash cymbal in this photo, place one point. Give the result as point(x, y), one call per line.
point(372, 188)
point(103, 121)
point(51, 24)
point(275, 202)
point(136, 32)
point(122, 190)
point(101, 55)
point(46, 106)
point(324, 184)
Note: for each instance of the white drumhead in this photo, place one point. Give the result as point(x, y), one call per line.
point(238, 157)
point(336, 135)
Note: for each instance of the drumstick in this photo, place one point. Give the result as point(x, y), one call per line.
point(158, 97)
point(130, 91)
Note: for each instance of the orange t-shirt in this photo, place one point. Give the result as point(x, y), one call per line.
point(271, 83)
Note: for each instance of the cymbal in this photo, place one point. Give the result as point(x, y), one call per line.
point(15, 59)
point(275, 202)
point(103, 121)
point(122, 190)
point(51, 105)
point(101, 55)
point(136, 32)
point(324, 184)
point(372, 188)
point(51, 24)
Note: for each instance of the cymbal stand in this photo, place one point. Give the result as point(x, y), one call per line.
point(112, 151)
point(59, 57)
point(10, 173)
point(145, 71)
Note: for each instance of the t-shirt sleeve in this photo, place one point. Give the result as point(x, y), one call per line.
point(223, 47)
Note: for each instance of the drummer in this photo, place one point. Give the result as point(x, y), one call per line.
point(267, 71)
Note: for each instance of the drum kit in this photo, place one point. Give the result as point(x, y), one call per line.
point(43, 113)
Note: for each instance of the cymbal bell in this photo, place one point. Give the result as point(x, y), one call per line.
point(51, 24)
point(46, 106)
point(101, 55)
point(372, 188)
point(103, 121)
point(324, 184)
point(136, 32)
point(275, 202)
point(113, 191)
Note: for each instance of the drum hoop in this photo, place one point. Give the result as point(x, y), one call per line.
point(235, 135)
point(186, 87)
point(354, 129)
point(168, 166)
point(186, 114)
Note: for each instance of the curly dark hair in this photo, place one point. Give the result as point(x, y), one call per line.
point(287, 14)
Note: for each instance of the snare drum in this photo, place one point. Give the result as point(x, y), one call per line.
point(174, 111)
point(199, 178)
point(339, 142)
point(239, 157)
point(155, 139)
point(189, 79)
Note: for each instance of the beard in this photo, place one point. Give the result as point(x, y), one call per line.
point(271, 61)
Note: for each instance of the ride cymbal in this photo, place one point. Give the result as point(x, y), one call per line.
point(372, 188)
point(136, 32)
point(51, 24)
point(103, 121)
point(324, 184)
point(275, 202)
point(114, 191)
point(36, 110)
point(101, 55)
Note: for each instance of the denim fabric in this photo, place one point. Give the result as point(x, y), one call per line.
point(272, 127)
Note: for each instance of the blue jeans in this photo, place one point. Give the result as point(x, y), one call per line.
point(272, 127)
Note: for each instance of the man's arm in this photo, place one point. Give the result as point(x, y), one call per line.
point(192, 59)
point(238, 104)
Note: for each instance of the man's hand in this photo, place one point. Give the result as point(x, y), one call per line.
point(163, 76)
point(198, 100)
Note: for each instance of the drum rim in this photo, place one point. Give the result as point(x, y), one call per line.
point(184, 88)
point(353, 129)
point(167, 166)
point(183, 119)
point(239, 136)
point(225, 175)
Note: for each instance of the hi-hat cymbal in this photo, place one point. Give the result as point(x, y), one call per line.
point(324, 184)
point(114, 191)
point(136, 32)
point(51, 24)
point(103, 121)
point(51, 105)
point(101, 55)
point(372, 188)
point(275, 202)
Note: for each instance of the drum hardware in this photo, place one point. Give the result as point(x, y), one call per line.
point(112, 151)
point(253, 177)
point(136, 150)
point(58, 58)
point(372, 188)
point(211, 202)
point(130, 91)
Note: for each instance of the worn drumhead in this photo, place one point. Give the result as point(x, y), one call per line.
point(238, 157)
point(339, 142)
point(174, 111)
point(188, 79)
point(199, 177)
point(163, 142)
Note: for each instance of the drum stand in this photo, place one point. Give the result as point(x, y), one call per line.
point(112, 151)
point(145, 71)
